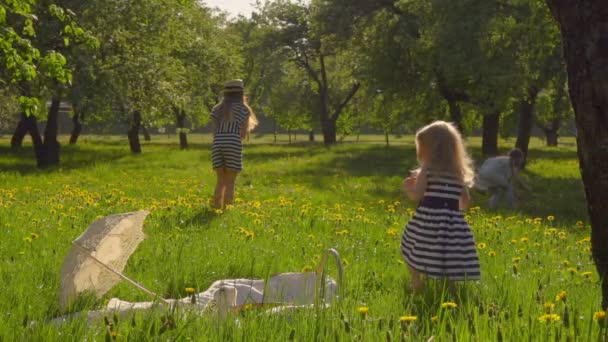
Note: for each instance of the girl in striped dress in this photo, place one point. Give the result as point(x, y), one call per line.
point(232, 119)
point(437, 241)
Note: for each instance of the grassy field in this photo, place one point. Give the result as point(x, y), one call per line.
point(293, 202)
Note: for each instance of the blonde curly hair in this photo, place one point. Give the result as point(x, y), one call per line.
point(440, 147)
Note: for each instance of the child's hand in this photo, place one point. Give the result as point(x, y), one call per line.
point(409, 183)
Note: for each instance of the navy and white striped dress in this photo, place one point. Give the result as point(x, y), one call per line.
point(437, 241)
point(227, 148)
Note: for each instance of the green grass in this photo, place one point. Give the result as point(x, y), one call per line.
point(297, 200)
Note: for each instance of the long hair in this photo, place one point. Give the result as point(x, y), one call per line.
point(225, 108)
point(439, 146)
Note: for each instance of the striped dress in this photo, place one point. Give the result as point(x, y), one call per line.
point(437, 241)
point(227, 148)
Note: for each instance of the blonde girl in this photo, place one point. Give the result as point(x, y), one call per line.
point(437, 242)
point(232, 119)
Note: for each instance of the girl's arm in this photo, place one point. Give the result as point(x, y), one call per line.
point(244, 129)
point(415, 186)
point(465, 199)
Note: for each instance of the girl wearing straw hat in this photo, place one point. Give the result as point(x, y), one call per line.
point(232, 119)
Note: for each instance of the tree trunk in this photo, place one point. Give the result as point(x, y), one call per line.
point(524, 126)
point(21, 130)
point(585, 36)
point(329, 132)
point(49, 155)
point(311, 135)
point(76, 129)
point(551, 134)
point(145, 132)
point(455, 113)
point(386, 138)
point(28, 124)
point(289, 136)
point(180, 119)
point(551, 137)
point(489, 140)
point(133, 132)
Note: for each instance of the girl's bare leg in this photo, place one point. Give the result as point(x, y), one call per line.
point(220, 188)
point(417, 282)
point(230, 178)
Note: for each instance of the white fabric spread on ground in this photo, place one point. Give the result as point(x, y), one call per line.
point(283, 291)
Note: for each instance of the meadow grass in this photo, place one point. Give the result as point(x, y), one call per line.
point(293, 202)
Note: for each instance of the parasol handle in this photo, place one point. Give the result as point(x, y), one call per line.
point(134, 283)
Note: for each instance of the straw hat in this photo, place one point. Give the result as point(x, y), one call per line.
point(234, 86)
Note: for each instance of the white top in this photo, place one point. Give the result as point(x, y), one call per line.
point(494, 172)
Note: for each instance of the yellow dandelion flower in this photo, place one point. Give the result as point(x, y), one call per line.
point(448, 305)
point(189, 290)
point(218, 211)
point(481, 245)
point(599, 315)
point(516, 259)
point(392, 232)
point(565, 263)
point(579, 223)
point(307, 268)
point(513, 241)
point(27, 239)
point(550, 218)
point(572, 270)
point(257, 221)
point(434, 319)
point(548, 318)
point(34, 236)
point(561, 296)
point(492, 253)
point(363, 310)
point(524, 239)
point(407, 319)
point(548, 307)
point(587, 274)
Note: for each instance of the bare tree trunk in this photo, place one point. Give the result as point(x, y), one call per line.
point(145, 132)
point(386, 138)
point(524, 126)
point(551, 134)
point(180, 119)
point(311, 135)
point(329, 132)
point(585, 36)
point(455, 113)
point(49, 155)
point(489, 139)
point(21, 130)
point(76, 129)
point(28, 124)
point(133, 132)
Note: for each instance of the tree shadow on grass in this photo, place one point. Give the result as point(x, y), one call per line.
point(23, 160)
point(561, 197)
